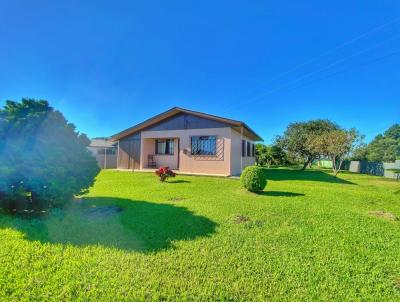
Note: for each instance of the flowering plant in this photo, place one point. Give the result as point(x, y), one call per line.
point(164, 173)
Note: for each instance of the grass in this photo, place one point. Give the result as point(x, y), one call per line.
point(308, 237)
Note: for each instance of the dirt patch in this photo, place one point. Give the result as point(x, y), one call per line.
point(384, 215)
point(241, 219)
point(102, 212)
point(177, 198)
point(396, 283)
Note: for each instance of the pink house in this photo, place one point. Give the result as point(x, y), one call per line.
point(189, 142)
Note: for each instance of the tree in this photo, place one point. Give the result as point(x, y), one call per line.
point(385, 147)
point(360, 153)
point(43, 160)
point(299, 137)
point(335, 145)
point(279, 156)
point(270, 155)
point(263, 155)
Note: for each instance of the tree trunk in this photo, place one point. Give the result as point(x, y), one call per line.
point(333, 159)
point(308, 161)
point(338, 168)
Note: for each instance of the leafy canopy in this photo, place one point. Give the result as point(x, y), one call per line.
point(335, 145)
point(385, 147)
point(299, 137)
point(270, 155)
point(43, 160)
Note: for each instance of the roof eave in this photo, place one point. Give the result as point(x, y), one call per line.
point(173, 111)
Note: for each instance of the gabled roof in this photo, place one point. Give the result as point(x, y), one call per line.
point(237, 125)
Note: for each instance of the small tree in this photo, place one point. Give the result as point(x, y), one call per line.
point(336, 145)
point(270, 155)
point(299, 137)
point(263, 155)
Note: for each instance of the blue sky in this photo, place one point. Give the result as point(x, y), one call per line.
point(110, 64)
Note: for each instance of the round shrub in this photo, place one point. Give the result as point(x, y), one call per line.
point(253, 179)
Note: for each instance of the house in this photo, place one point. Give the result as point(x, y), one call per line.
point(187, 141)
point(105, 152)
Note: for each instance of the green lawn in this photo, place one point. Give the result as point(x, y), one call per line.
point(308, 237)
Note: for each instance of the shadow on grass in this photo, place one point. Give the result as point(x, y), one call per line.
point(179, 181)
point(307, 175)
point(280, 194)
point(126, 224)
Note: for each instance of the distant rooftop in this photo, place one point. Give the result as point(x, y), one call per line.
point(104, 142)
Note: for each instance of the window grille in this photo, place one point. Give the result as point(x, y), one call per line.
point(204, 145)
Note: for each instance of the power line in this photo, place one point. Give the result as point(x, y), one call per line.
point(314, 72)
point(369, 62)
point(359, 37)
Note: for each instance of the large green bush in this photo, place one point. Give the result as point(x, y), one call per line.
point(44, 162)
point(253, 179)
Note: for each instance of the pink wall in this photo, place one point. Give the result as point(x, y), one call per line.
point(219, 165)
point(226, 162)
point(237, 160)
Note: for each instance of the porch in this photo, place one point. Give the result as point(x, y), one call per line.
point(158, 152)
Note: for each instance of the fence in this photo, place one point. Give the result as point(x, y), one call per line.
point(106, 156)
point(375, 168)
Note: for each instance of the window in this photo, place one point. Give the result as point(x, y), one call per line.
point(248, 149)
point(108, 151)
point(243, 148)
point(164, 146)
point(253, 153)
point(204, 145)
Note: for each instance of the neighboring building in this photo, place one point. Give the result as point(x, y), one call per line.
point(188, 141)
point(105, 152)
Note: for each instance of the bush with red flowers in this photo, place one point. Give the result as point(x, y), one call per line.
point(164, 173)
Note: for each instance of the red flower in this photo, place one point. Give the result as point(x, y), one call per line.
point(164, 173)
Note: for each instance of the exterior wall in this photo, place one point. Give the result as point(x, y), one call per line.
point(129, 152)
point(134, 150)
point(161, 160)
point(237, 161)
point(108, 161)
point(219, 164)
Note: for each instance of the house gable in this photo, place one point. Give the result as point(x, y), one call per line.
point(182, 121)
point(178, 118)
